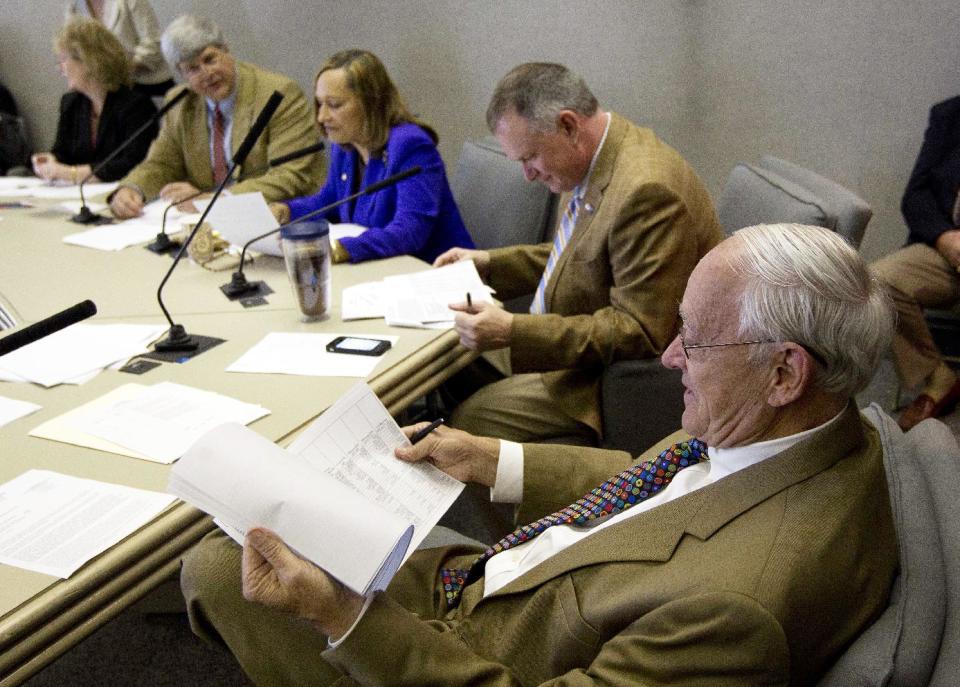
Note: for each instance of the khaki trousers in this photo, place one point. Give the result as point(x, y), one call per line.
point(276, 648)
point(516, 407)
point(918, 277)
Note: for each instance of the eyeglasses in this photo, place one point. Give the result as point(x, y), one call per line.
point(688, 347)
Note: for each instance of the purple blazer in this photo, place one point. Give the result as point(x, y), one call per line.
point(417, 216)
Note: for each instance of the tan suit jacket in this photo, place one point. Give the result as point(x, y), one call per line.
point(760, 578)
point(645, 223)
point(182, 150)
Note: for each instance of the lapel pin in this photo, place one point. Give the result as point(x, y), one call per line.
point(343, 177)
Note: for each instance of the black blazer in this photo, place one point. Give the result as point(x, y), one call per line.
point(932, 190)
point(123, 113)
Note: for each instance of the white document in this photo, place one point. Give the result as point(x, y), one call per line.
point(363, 301)
point(72, 192)
point(145, 227)
point(74, 352)
point(345, 230)
point(12, 409)
point(341, 500)
point(354, 442)
point(238, 218)
point(73, 207)
point(164, 420)
point(19, 187)
point(422, 299)
point(295, 353)
point(114, 236)
point(53, 524)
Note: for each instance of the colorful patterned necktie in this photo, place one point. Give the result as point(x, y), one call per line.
point(614, 496)
point(219, 155)
point(567, 222)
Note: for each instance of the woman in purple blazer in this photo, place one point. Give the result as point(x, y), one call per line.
point(374, 136)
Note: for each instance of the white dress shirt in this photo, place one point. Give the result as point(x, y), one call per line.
point(508, 565)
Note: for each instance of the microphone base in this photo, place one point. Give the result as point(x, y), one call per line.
point(86, 216)
point(177, 341)
point(238, 287)
point(162, 245)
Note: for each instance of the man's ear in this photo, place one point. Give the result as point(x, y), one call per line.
point(568, 124)
point(792, 374)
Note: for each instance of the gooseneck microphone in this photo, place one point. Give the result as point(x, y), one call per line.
point(161, 242)
point(47, 326)
point(238, 284)
point(177, 337)
point(296, 154)
point(86, 215)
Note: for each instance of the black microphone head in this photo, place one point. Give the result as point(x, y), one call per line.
point(258, 126)
point(167, 106)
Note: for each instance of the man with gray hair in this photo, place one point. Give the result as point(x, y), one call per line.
point(752, 554)
point(195, 147)
point(635, 220)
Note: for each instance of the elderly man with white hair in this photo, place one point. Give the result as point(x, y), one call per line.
point(194, 150)
point(751, 554)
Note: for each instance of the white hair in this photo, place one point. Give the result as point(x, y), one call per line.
point(807, 285)
point(187, 36)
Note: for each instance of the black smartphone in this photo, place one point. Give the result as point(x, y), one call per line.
point(358, 345)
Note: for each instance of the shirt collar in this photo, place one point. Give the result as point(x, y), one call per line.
point(726, 461)
point(581, 188)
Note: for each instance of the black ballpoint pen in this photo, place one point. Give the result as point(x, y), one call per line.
point(417, 436)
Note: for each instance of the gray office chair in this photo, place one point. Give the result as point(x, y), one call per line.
point(780, 191)
point(916, 641)
point(753, 195)
point(851, 211)
point(498, 205)
point(641, 402)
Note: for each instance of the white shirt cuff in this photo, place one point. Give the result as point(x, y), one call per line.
point(508, 488)
point(366, 605)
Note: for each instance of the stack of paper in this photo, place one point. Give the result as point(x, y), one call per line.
point(339, 496)
point(77, 353)
point(420, 299)
point(133, 231)
point(157, 423)
point(53, 523)
point(295, 353)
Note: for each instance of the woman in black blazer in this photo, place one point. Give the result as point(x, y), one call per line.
point(99, 112)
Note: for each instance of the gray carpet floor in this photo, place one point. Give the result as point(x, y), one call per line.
point(150, 645)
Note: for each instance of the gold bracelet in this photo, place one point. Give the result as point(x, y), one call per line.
point(73, 171)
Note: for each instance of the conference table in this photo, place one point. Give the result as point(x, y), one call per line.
point(42, 616)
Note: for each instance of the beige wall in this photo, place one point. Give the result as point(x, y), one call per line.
point(842, 87)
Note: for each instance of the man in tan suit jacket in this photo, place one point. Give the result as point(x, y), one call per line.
point(644, 220)
point(757, 566)
point(180, 160)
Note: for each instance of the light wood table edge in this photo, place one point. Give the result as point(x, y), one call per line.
point(54, 622)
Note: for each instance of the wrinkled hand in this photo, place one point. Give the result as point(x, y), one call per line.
point(481, 259)
point(276, 577)
point(461, 455)
point(178, 190)
point(281, 212)
point(482, 326)
point(948, 245)
point(126, 203)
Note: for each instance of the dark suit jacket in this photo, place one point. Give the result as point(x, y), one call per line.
point(932, 190)
point(646, 221)
point(182, 150)
point(760, 578)
point(124, 111)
